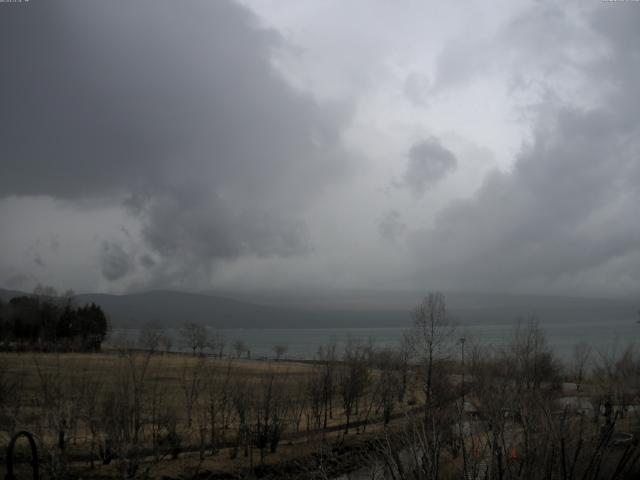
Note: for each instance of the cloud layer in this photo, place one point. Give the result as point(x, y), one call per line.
point(172, 110)
point(429, 162)
point(207, 144)
point(562, 220)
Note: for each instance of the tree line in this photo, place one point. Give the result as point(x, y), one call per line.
point(51, 322)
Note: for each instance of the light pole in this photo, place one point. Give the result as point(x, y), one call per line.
point(462, 340)
point(464, 449)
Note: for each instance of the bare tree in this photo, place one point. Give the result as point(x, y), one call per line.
point(191, 384)
point(353, 377)
point(617, 379)
point(270, 413)
point(150, 338)
point(581, 355)
point(518, 431)
point(327, 357)
point(194, 337)
point(217, 344)
point(239, 347)
point(298, 403)
point(53, 398)
point(11, 386)
point(403, 367)
point(219, 403)
point(123, 409)
point(165, 342)
point(158, 411)
point(430, 337)
point(388, 384)
point(241, 399)
point(279, 350)
point(532, 358)
point(89, 414)
point(62, 384)
point(315, 398)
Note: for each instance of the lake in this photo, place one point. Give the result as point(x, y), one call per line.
point(304, 343)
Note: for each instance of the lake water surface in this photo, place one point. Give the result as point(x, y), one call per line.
point(304, 343)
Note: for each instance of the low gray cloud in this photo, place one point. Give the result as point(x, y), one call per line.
point(115, 261)
point(416, 89)
point(533, 57)
point(564, 218)
point(147, 261)
point(429, 163)
point(19, 280)
point(173, 110)
point(391, 227)
point(210, 228)
point(39, 261)
point(167, 130)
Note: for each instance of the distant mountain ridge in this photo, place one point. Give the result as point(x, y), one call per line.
point(364, 309)
point(171, 309)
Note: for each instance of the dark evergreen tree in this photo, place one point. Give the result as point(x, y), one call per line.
point(38, 322)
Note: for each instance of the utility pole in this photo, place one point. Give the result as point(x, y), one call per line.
point(462, 407)
point(462, 340)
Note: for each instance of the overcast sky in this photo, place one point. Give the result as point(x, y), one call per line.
point(193, 145)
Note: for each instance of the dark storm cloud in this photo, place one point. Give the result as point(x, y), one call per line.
point(429, 162)
point(566, 216)
point(208, 228)
point(115, 262)
point(147, 261)
point(172, 109)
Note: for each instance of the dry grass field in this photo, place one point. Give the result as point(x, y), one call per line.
point(135, 414)
point(166, 369)
point(140, 414)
